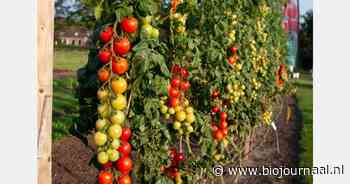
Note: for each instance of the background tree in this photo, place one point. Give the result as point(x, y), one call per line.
point(306, 41)
point(73, 12)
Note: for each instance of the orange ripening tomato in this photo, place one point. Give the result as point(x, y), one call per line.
point(120, 66)
point(103, 75)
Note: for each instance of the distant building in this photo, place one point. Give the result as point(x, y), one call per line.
point(73, 36)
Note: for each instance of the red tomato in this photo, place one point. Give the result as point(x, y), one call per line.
point(103, 75)
point(120, 66)
point(107, 165)
point(184, 73)
point(218, 135)
point(173, 102)
point(185, 85)
point(105, 178)
point(124, 179)
point(175, 68)
point(215, 94)
point(129, 24)
point(233, 50)
point(223, 116)
point(174, 172)
point(223, 124)
point(124, 165)
point(104, 56)
point(126, 134)
point(225, 131)
point(175, 82)
point(124, 148)
point(214, 127)
point(122, 46)
point(215, 109)
point(106, 35)
point(174, 93)
point(180, 157)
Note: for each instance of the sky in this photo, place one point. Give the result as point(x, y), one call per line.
point(305, 5)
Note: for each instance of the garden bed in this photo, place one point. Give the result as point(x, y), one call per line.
point(72, 158)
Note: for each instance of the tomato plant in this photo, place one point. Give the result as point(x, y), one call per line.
point(190, 73)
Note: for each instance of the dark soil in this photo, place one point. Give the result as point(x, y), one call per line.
point(265, 152)
point(71, 162)
point(72, 158)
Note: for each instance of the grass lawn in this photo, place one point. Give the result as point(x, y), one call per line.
point(65, 105)
point(305, 103)
point(71, 59)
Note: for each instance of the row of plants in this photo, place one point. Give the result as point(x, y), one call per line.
point(180, 84)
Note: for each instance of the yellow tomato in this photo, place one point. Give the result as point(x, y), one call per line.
point(119, 85)
point(119, 102)
point(180, 116)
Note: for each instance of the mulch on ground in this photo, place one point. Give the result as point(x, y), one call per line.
point(71, 157)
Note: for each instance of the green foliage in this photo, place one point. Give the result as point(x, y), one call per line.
point(65, 112)
point(198, 39)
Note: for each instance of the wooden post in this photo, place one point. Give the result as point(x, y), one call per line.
point(45, 26)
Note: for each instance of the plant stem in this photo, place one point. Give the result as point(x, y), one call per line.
point(188, 144)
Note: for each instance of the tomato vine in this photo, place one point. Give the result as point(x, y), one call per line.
point(198, 78)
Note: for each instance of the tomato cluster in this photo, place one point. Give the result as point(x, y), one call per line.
point(112, 134)
point(219, 119)
point(173, 170)
point(177, 105)
point(234, 56)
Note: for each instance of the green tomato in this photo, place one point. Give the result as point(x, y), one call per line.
point(177, 125)
point(147, 20)
point(115, 131)
point(102, 157)
point(113, 155)
point(163, 109)
point(154, 33)
point(171, 111)
point(190, 129)
point(100, 138)
point(115, 143)
point(182, 19)
point(147, 29)
point(189, 110)
point(101, 123)
point(102, 94)
point(119, 102)
point(118, 117)
point(103, 110)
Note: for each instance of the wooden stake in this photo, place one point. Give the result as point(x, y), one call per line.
point(45, 27)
